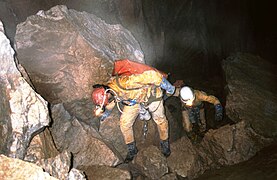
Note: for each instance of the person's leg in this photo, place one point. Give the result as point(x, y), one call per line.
point(203, 124)
point(187, 125)
point(190, 124)
point(158, 115)
point(127, 120)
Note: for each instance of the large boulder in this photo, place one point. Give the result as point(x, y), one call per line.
point(251, 84)
point(13, 168)
point(84, 142)
point(228, 145)
point(250, 104)
point(65, 52)
point(105, 172)
point(23, 112)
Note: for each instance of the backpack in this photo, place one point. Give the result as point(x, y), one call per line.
point(126, 67)
point(123, 71)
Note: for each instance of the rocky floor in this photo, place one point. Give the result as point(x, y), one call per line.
point(263, 166)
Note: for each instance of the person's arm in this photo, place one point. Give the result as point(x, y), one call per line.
point(167, 86)
point(104, 113)
point(213, 100)
point(108, 111)
point(202, 96)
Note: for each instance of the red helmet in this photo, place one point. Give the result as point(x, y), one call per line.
point(98, 96)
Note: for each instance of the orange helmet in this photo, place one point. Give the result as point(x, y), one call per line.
point(99, 96)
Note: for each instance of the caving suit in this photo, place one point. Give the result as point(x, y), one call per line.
point(195, 114)
point(146, 89)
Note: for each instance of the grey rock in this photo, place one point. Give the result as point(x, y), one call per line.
point(23, 112)
point(58, 166)
point(83, 141)
point(41, 147)
point(251, 82)
point(65, 52)
point(105, 173)
point(76, 174)
point(151, 162)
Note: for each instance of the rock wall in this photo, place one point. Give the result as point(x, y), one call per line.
point(61, 52)
point(251, 86)
point(23, 112)
point(65, 52)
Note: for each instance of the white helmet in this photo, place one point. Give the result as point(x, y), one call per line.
point(186, 94)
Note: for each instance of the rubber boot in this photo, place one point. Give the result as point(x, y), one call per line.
point(132, 151)
point(165, 147)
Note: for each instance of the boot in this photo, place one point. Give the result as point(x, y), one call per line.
point(165, 147)
point(132, 151)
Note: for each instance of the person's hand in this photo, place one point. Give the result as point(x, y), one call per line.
point(98, 111)
point(178, 83)
point(169, 88)
point(218, 112)
point(105, 115)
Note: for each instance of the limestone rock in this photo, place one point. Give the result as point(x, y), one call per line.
point(228, 145)
point(110, 131)
point(105, 172)
point(41, 147)
point(232, 144)
point(184, 159)
point(251, 82)
point(12, 168)
point(65, 52)
point(83, 141)
point(76, 174)
point(23, 111)
point(151, 162)
point(58, 166)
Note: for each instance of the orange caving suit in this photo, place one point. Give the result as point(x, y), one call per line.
point(144, 88)
point(200, 97)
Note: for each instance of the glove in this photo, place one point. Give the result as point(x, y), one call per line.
point(165, 84)
point(218, 112)
point(105, 115)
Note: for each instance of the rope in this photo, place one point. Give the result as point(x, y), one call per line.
point(117, 100)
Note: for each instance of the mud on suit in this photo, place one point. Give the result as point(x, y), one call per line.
point(195, 114)
point(145, 88)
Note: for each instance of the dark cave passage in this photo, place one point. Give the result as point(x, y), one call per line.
point(187, 39)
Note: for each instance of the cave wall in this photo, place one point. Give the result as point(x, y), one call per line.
point(191, 36)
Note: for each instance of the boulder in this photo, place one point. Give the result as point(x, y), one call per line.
point(251, 85)
point(65, 52)
point(23, 112)
point(13, 168)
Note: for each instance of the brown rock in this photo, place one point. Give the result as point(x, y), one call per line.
point(151, 162)
point(104, 173)
point(12, 168)
point(251, 82)
point(65, 52)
